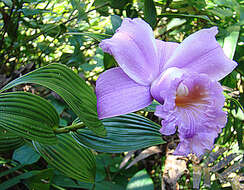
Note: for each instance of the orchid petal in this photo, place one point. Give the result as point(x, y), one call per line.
point(164, 52)
point(201, 53)
point(118, 94)
point(134, 48)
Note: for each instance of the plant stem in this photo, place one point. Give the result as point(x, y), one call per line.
point(69, 128)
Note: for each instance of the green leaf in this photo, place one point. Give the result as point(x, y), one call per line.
point(25, 155)
point(108, 185)
point(11, 170)
point(9, 141)
point(41, 180)
point(97, 37)
point(70, 158)
point(119, 4)
point(178, 15)
point(222, 13)
point(80, 7)
point(99, 6)
point(124, 133)
point(53, 30)
point(64, 181)
point(140, 181)
point(75, 92)
point(15, 180)
point(231, 40)
point(241, 15)
point(150, 14)
point(28, 116)
point(109, 61)
point(152, 107)
point(9, 3)
point(116, 22)
point(31, 12)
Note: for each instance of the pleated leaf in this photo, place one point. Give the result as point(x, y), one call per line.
point(74, 90)
point(70, 158)
point(28, 116)
point(124, 133)
point(9, 141)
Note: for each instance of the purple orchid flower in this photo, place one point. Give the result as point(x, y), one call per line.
point(181, 77)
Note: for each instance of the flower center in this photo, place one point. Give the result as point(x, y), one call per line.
point(186, 97)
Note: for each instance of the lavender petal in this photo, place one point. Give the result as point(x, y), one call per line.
point(134, 48)
point(118, 94)
point(201, 53)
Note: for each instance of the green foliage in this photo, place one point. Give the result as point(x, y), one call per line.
point(15, 180)
point(116, 22)
point(70, 158)
point(25, 155)
point(150, 14)
point(9, 141)
point(28, 116)
point(62, 34)
point(71, 88)
point(140, 181)
point(108, 61)
point(41, 180)
point(121, 134)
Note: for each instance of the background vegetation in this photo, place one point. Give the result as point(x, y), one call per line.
point(35, 33)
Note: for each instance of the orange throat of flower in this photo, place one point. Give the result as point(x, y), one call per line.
point(185, 98)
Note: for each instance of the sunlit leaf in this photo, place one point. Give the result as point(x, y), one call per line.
point(230, 42)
